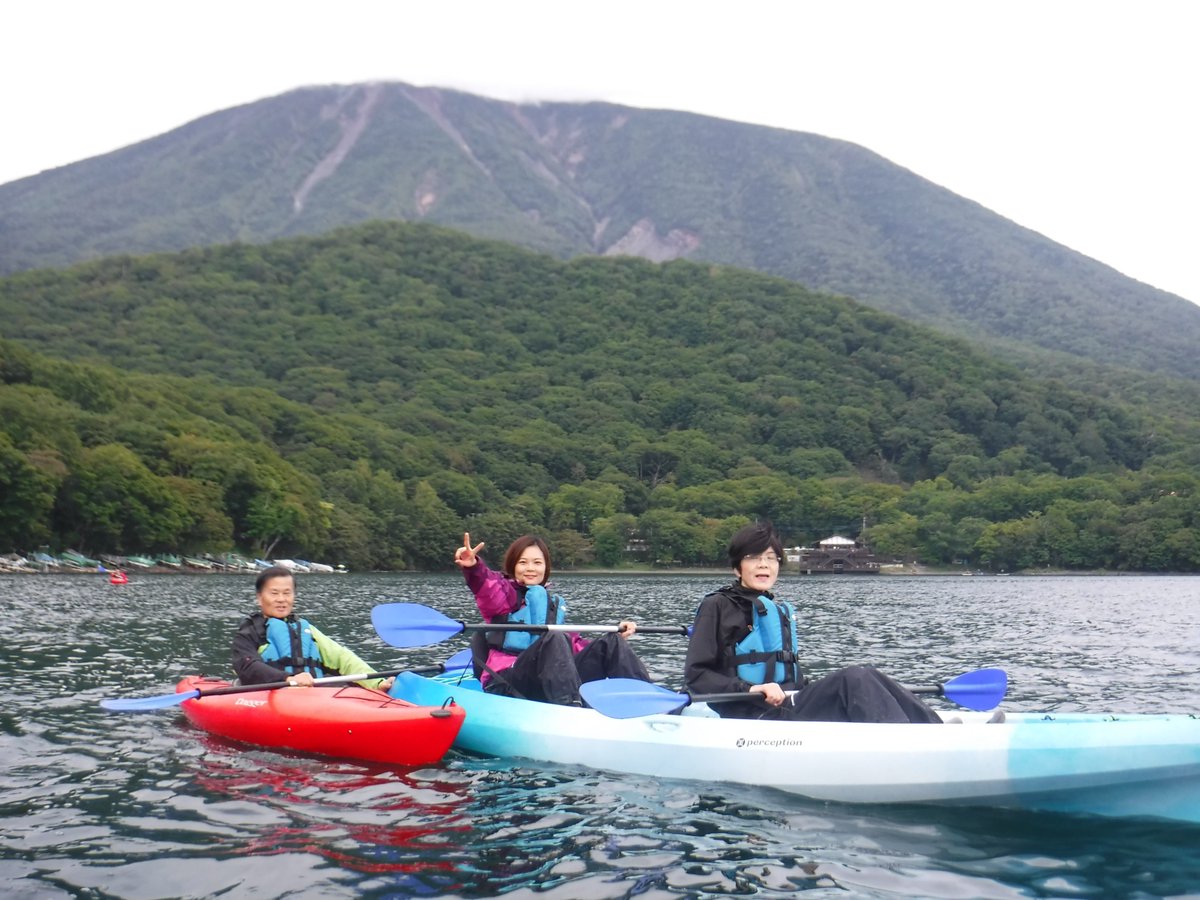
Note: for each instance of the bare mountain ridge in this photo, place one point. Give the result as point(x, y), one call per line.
point(594, 178)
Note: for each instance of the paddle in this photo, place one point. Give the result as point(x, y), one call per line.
point(628, 698)
point(460, 660)
point(414, 625)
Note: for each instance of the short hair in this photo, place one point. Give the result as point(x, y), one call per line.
point(519, 546)
point(753, 539)
point(272, 572)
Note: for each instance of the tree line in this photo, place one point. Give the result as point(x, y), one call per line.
point(367, 396)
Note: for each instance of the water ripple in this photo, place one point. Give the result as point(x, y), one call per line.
point(144, 806)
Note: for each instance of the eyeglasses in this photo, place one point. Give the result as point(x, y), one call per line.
point(768, 557)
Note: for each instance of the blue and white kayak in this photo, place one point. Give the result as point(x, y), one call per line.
point(1110, 765)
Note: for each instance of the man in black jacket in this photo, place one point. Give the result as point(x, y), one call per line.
point(273, 644)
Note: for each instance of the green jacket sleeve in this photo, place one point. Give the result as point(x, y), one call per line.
point(335, 656)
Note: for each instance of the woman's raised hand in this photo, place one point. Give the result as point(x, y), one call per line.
point(466, 555)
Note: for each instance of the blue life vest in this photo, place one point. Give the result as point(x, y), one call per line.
point(539, 608)
point(768, 652)
point(290, 647)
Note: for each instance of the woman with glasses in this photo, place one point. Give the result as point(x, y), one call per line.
point(745, 641)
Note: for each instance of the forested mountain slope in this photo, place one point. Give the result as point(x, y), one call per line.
point(379, 389)
point(572, 179)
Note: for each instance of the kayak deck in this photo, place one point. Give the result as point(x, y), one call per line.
point(1116, 765)
point(348, 721)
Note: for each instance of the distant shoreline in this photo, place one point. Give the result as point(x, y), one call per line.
point(887, 572)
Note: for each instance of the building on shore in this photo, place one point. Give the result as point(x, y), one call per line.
point(835, 555)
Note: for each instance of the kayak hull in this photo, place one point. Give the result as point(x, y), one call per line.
point(1123, 765)
point(347, 721)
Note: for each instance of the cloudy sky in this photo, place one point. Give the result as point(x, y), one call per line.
point(1075, 118)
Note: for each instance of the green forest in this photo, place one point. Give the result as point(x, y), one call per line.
point(366, 396)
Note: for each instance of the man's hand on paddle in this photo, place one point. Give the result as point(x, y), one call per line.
point(466, 555)
point(774, 694)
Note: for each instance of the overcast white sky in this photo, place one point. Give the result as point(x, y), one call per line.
point(1076, 118)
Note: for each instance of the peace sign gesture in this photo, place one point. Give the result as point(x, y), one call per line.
point(466, 555)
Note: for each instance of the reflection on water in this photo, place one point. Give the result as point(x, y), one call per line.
point(144, 806)
point(365, 818)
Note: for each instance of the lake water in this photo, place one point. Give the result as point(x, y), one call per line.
point(141, 805)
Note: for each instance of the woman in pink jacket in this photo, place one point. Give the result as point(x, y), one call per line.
point(549, 666)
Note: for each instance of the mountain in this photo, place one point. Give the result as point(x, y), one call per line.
point(573, 179)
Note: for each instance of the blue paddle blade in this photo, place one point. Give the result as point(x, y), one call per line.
point(412, 625)
point(628, 698)
point(981, 690)
point(460, 660)
point(142, 704)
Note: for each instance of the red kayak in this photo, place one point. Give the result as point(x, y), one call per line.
point(347, 721)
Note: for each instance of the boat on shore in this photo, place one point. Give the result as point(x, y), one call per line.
point(74, 562)
point(348, 721)
point(73, 559)
point(14, 562)
point(1108, 765)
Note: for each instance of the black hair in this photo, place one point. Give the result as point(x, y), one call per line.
point(273, 572)
point(519, 546)
point(751, 540)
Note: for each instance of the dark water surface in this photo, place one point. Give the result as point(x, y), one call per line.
point(141, 805)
